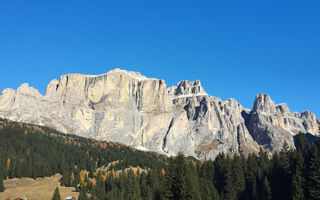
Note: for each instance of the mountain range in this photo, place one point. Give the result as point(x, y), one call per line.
point(129, 108)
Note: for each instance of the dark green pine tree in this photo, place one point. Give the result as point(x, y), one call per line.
point(238, 174)
point(144, 187)
point(1, 185)
point(266, 190)
point(251, 179)
point(215, 194)
point(206, 171)
point(83, 194)
point(302, 143)
point(182, 181)
point(229, 189)
point(192, 180)
point(313, 179)
point(100, 190)
point(205, 190)
point(132, 191)
point(175, 185)
point(281, 176)
point(157, 195)
point(65, 178)
point(156, 181)
point(297, 192)
point(219, 167)
point(263, 162)
point(56, 195)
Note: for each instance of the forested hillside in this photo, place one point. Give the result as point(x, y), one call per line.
point(289, 174)
point(34, 151)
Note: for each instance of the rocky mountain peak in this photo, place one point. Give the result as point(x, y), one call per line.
point(271, 125)
point(27, 90)
point(136, 75)
point(186, 88)
point(8, 91)
point(52, 88)
point(264, 103)
point(282, 108)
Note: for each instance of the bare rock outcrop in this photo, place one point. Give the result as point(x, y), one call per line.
point(203, 126)
point(186, 89)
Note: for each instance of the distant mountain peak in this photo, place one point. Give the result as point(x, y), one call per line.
point(186, 88)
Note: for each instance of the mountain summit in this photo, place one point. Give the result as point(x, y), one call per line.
point(127, 107)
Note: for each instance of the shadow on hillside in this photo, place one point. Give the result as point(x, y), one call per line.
point(311, 138)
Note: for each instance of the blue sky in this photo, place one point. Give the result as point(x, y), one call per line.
point(236, 48)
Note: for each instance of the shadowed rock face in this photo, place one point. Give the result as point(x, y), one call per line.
point(129, 108)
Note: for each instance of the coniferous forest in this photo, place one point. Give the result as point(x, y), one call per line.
point(34, 151)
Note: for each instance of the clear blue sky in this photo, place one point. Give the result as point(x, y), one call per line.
point(236, 48)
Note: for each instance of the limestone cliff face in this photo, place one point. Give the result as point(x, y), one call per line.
point(119, 106)
point(204, 125)
point(271, 125)
point(129, 108)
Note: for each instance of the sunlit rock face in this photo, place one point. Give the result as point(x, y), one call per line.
point(129, 108)
point(271, 125)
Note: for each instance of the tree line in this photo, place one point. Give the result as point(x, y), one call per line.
point(290, 174)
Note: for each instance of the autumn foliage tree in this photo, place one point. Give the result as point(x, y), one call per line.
point(8, 164)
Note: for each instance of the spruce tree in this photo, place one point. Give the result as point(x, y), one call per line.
point(144, 187)
point(238, 174)
point(56, 195)
point(302, 143)
point(229, 189)
point(281, 175)
point(297, 189)
point(1, 185)
point(313, 181)
point(215, 194)
point(205, 191)
point(132, 191)
point(192, 180)
point(298, 180)
point(100, 190)
point(157, 195)
point(219, 163)
point(213, 191)
point(83, 194)
point(266, 190)
point(251, 179)
point(182, 181)
point(176, 186)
